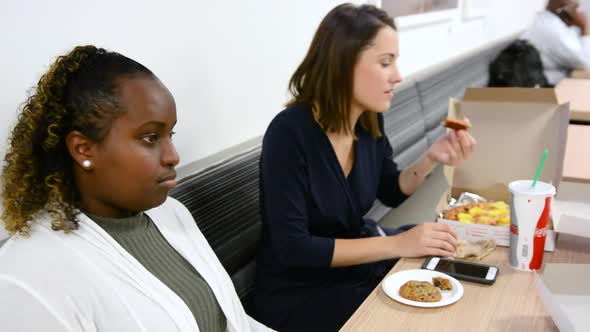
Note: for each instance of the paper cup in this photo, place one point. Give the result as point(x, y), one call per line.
point(529, 218)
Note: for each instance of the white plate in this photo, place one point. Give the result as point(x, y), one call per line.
point(392, 284)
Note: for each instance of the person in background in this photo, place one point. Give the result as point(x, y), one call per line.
point(561, 35)
point(324, 161)
point(97, 245)
point(518, 65)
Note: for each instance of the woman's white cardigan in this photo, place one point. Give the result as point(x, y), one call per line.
point(85, 281)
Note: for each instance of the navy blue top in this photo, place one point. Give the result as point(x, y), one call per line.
point(307, 202)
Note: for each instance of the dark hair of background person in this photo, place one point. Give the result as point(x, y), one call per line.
point(518, 65)
point(79, 92)
point(325, 77)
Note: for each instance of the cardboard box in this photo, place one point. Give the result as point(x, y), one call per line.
point(565, 294)
point(512, 127)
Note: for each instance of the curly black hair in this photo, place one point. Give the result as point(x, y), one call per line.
point(518, 65)
point(79, 92)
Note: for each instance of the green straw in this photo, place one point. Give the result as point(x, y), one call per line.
point(540, 167)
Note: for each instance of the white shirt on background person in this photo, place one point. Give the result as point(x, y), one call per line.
point(562, 48)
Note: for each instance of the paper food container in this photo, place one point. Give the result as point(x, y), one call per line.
point(512, 127)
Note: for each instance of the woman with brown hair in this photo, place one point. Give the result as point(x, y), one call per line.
point(96, 243)
point(324, 162)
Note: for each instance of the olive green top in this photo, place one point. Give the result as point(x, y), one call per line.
point(142, 239)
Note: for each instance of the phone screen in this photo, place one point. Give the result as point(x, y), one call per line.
point(448, 266)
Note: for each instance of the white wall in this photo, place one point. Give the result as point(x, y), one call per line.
point(425, 45)
point(226, 62)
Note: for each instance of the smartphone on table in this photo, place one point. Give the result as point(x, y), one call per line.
point(469, 271)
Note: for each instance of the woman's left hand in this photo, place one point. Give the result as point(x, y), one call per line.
point(452, 148)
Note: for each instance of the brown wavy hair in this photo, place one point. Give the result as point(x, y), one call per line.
point(79, 92)
point(325, 77)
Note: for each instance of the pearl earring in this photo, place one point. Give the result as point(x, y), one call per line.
point(86, 163)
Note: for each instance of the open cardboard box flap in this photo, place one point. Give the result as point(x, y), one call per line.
point(512, 127)
point(511, 95)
